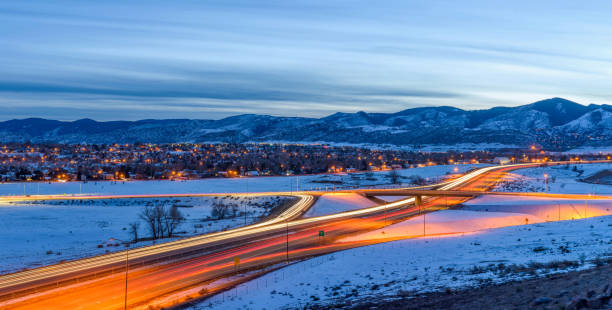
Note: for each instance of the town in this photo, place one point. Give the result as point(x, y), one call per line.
point(83, 162)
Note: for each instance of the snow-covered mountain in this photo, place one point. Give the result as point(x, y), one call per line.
point(555, 123)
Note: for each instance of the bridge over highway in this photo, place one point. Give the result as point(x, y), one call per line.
point(418, 194)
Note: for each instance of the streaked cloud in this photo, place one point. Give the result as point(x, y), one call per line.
point(190, 59)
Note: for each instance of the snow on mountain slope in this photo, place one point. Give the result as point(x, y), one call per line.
point(596, 119)
point(554, 123)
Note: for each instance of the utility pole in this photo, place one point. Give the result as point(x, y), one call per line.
point(385, 211)
point(127, 253)
point(127, 250)
point(422, 210)
point(287, 248)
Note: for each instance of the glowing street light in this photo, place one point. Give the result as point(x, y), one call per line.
point(545, 183)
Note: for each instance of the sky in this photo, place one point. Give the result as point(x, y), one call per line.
point(127, 60)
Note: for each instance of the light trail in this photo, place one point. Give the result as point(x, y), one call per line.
point(259, 245)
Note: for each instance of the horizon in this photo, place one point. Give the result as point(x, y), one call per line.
point(72, 60)
point(287, 116)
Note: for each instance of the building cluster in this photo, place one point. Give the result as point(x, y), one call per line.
point(70, 162)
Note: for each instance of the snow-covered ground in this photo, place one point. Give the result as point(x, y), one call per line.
point(590, 150)
point(74, 229)
point(338, 202)
point(232, 185)
point(391, 198)
point(561, 179)
point(41, 233)
point(488, 212)
point(428, 264)
point(483, 241)
point(544, 209)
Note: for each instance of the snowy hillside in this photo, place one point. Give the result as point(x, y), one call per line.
point(412, 266)
point(555, 123)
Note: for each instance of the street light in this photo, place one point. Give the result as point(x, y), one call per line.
point(545, 183)
point(127, 250)
point(287, 247)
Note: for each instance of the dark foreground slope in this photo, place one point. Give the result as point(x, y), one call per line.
point(587, 289)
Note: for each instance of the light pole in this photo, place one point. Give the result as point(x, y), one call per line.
point(287, 248)
point(585, 206)
point(423, 222)
point(545, 183)
point(127, 251)
point(385, 211)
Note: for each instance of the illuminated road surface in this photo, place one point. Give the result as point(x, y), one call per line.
point(169, 268)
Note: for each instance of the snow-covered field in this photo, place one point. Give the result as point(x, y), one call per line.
point(232, 185)
point(41, 233)
point(428, 264)
point(483, 241)
point(561, 179)
point(544, 209)
point(35, 234)
point(338, 202)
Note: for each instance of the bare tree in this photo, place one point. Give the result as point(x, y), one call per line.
point(161, 221)
point(394, 177)
point(172, 219)
point(134, 230)
point(159, 214)
point(148, 215)
point(416, 179)
point(154, 217)
point(219, 210)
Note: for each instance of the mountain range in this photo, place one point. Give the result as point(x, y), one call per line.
point(554, 123)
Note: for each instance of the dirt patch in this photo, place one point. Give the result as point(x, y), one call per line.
point(587, 289)
point(601, 177)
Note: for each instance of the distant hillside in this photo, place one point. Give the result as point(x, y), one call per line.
point(554, 123)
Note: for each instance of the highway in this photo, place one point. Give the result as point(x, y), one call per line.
point(157, 272)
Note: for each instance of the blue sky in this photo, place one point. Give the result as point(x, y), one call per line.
point(110, 60)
